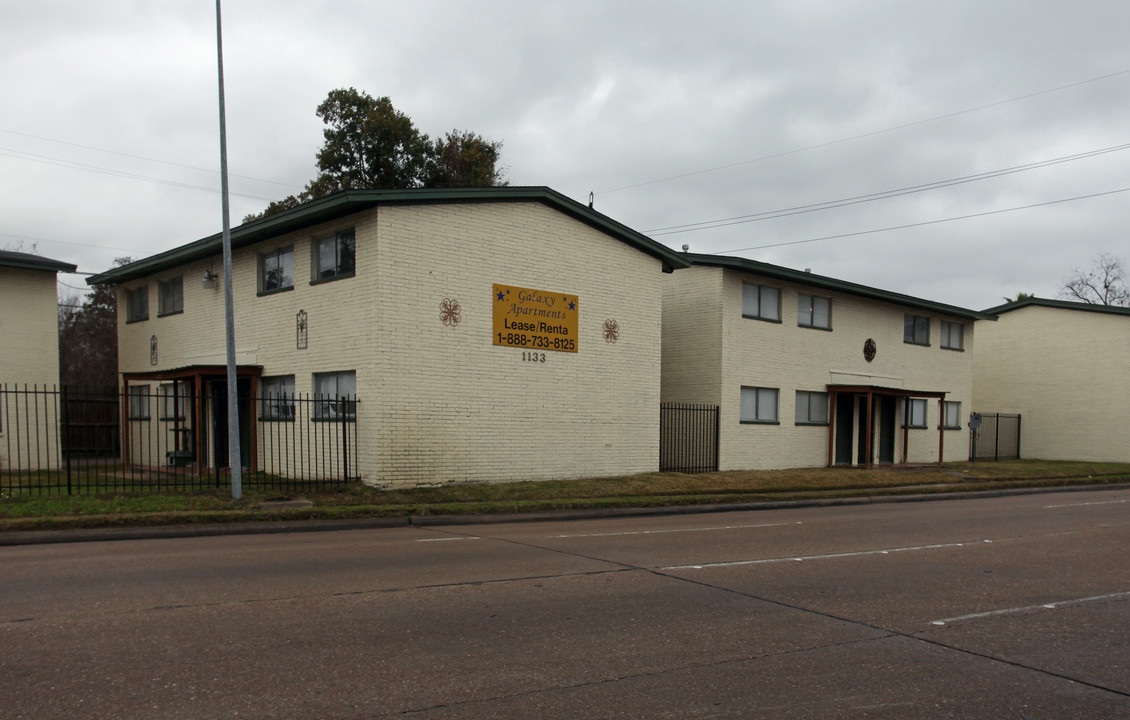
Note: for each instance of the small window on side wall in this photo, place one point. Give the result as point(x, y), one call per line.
point(170, 296)
point(761, 302)
point(953, 336)
point(276, 270)
point(811, 408)
point(137, 304)
point(951, 415)
point(914, 413)
point(138, 402)
point(276, 398)
point(814, 311)
point(759, 405)
point(335, 395)
point(916, 329)
point(335, 256)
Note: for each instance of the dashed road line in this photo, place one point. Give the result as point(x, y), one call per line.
point(829, 556)
point(679, 530)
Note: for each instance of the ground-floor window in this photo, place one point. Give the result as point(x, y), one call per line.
point(811, 408)
point(759, 405)
point(276, 398)
point(336, 395)
point(951, 415)
point(914, 413)
point(138, 402)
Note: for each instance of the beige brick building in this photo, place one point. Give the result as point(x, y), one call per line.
point(1065, 368)
point(810, 371)
point(490, 334)
point(29, 355)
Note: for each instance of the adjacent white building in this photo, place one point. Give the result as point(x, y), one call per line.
point(810, 371)
point(1065, 368)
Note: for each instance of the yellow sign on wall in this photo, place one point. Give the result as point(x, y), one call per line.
point(535, 319)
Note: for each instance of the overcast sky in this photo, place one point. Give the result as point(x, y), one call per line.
point(674, 114)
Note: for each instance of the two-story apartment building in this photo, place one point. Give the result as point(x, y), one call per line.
point(29, 355)
point(1065, 368)
point(476, 334)
point(810, 371)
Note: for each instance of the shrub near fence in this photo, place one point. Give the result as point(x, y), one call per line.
point(64, 440)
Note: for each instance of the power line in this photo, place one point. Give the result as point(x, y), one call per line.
point(211, 171)
point(871, 197)
point(866, 134)
point(47, 160)
point(928, 222)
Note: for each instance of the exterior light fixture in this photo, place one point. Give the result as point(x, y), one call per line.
point(209, 281)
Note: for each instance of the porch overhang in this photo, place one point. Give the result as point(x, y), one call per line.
point(870, 392)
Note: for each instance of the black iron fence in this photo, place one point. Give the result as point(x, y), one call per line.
point(99, 441)
point(998, 438)
point(688, 438)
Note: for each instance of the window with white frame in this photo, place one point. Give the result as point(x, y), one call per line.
point(916, 329)
point(276, 270)
point(811, 408)
point(276, 398)
point(953, 336)
point(174, 400)
point(335, 395)
point(914, 413)
point(170, 296)
point(761, 302)
point(137, 304)
point(951, 415)
point(814, 311)
point(759, 405)
point(335, 256)
point(138, 402)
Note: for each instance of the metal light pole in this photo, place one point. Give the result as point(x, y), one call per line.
point(235, 460)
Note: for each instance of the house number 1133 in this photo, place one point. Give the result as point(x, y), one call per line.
point(533, 357)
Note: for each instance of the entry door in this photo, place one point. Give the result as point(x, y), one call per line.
point(887, 429)
point(220, 423)
point(845, 404)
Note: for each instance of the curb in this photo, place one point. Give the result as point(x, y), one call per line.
point(49, 537)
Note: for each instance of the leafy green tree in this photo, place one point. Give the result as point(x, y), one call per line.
point(1019, 296)
point(88, 338)
point(370, 145)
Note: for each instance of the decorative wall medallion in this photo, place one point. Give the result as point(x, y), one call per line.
point(300, 326)
point(153, 350)
point(869, 350)
point(449, 312)
point(611, 331)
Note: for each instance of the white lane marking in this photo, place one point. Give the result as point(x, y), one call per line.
point(1045, 606)
point(447, 539)
point(830, 556)
point(681, 530)
point(1104, 502)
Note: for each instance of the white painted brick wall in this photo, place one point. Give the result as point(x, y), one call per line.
point(441, 404)
point(1067, 372)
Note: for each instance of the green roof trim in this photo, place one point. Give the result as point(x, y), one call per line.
point(1058, 304)
point(27, 261)
point(801, 277)
point(345, 203)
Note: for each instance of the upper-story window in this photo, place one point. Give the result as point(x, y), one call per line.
point(814, 311)
point(953, 336)
point(137, 304)
point(170, 296)
point(916, 329)
point(335, 256)
point(276, 270)
point(761, 302)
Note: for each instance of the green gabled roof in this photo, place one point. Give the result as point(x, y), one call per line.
point(352, 201)
point(1059, 304)
point(27, 261)
point(800, 277)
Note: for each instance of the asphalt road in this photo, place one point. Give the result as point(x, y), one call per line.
point(1012, 607)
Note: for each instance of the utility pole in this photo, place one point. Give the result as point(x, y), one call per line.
point(235, 460)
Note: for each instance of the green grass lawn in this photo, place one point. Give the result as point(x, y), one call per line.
point(646, 490)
